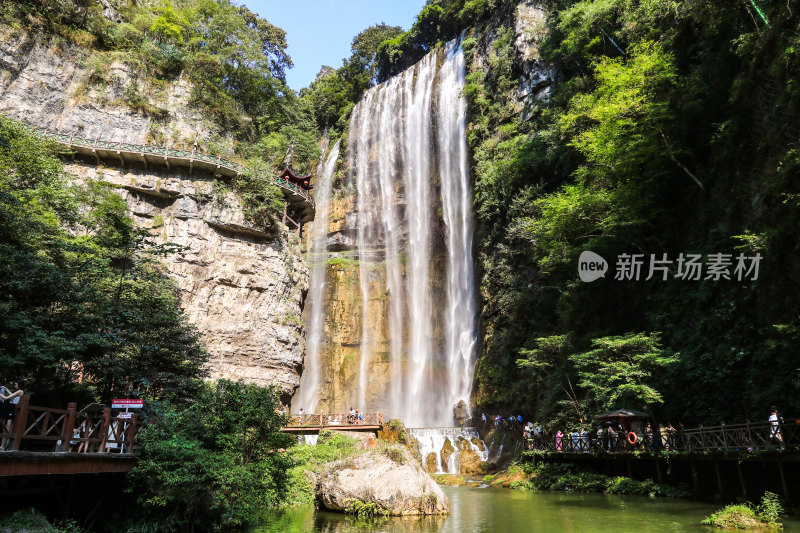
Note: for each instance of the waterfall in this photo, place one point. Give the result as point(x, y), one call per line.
point(409, 162)
point(308, 393)
point(456, 202)
point(435, 440)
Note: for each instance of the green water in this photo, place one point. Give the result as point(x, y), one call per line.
point(485, 510)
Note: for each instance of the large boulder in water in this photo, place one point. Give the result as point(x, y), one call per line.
point(390, 479)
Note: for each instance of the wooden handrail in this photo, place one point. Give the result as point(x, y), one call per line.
point(333, 420)
point(725, 437)
point(97, 433)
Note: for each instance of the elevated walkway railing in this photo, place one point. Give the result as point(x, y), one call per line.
point(45, 429)
point(742, 438)
point(170, 156)
point(334, 420)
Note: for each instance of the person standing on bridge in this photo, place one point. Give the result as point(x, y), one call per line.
point(775, 421)
point(11, 401)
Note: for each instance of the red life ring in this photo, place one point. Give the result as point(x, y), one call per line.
point(633, 438)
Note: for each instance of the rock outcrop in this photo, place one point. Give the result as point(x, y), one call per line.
point(241, 287)
point(397, 488)
point(47, 82)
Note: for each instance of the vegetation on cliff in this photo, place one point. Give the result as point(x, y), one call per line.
point(81, 291)
point(668, 134)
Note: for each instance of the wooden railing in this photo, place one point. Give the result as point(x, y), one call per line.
point(184, 157)
point(54, 430)
point(333, 420)
point(724, 438)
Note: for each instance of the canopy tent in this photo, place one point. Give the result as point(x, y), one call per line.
point(627, 419)
point(623, 413)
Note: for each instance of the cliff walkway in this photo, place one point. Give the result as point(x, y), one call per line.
point(43, 440)
point(146, 155)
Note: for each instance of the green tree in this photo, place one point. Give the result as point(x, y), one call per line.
point(213, 463)
point(623, 371)
point(79, 286)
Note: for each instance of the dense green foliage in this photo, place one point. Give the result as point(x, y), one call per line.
point(81, 289)
point(213, 463)
point(671, 131)
point(35, 522)
point(568, 477)
point(439, 21)
point(763, 516)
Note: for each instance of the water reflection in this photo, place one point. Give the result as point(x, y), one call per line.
point(476, 510)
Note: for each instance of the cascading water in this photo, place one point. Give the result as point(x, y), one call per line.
point(407, 147)
point(308, 393)
point(434, 441)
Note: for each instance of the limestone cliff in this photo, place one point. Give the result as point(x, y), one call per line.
point(242, 287)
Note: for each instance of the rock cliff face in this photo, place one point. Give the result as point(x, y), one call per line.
point(243, 288)
point(47, 81)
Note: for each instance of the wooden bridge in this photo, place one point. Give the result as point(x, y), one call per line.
point(728, 461)
point(747, 437)
point(147, 155)
point(43, 440)
point(313, 423)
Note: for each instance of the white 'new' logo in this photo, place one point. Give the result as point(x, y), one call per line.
point(591, 266)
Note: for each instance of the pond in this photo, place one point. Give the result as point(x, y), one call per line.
point(488, 510)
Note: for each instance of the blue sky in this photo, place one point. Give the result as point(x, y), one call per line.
point(320, 31)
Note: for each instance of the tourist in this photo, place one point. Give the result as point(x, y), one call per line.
point(302, 415)
point(650, 437)
point(584, 440)
point(775, 421)
point(612, 438)
point(483, 417)
point(669, 436)
point(11, 402)
point(575, 438)
point(559, 440)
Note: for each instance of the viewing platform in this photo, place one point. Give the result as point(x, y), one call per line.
point(313, 423)
point(147, 155)
point(44, 440)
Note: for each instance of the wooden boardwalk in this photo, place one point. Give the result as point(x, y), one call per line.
point(736, 438)
point(44, 440)
point(313, 423)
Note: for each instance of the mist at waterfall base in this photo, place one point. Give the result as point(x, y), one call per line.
point(408, 168)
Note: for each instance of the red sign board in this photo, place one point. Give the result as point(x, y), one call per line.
point(127, 404)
